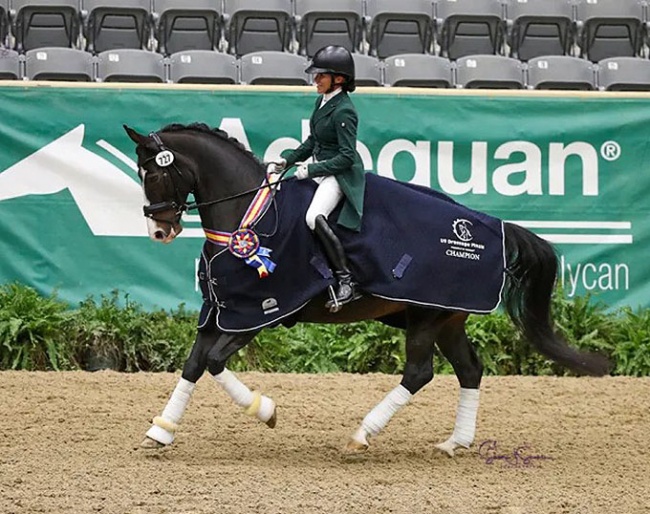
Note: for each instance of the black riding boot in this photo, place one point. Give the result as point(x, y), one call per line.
point(346, 290)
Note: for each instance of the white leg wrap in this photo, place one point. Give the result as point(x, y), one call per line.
point(465, 427)
point(166, 424)
point(379, 417)
point(255, 404)
point(238, 391)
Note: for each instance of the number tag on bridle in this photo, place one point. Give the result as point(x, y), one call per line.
point(164, 158)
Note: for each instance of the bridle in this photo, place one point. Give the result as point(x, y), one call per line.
point(165, 158)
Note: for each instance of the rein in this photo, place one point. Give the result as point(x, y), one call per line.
point(196, 205)
point(165, 158)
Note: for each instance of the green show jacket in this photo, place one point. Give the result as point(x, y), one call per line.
point(332, 143)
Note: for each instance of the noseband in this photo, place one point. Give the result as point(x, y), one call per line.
point(165, 158)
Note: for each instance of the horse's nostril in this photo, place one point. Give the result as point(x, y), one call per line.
point(159, 234)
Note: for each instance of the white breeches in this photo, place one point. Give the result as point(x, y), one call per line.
point(326, 198)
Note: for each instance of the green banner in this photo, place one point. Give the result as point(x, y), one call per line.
point(572, 168)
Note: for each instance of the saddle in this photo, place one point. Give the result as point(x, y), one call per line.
point(416, 246)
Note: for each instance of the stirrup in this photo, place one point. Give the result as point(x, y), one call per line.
point(335, 304)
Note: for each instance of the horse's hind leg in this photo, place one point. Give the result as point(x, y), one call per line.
point(422, 328)
point(456, 347)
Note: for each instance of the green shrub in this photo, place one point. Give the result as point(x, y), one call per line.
point(39, 332)
point(33, 330)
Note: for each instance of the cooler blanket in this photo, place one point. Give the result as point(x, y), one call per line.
point(415, 245)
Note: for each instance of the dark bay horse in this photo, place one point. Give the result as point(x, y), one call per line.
point(179, 160)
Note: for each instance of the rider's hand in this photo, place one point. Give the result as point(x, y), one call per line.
point(302, 171)
point(280, 165)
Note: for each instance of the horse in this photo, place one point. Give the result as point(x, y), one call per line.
point(224, 177)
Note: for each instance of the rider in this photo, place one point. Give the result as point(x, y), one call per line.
point(337, 166)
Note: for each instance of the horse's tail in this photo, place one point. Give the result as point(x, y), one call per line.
point(531, 271)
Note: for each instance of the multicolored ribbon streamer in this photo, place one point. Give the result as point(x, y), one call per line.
point(244, 242)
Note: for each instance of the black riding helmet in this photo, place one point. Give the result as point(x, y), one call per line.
point(336, 60)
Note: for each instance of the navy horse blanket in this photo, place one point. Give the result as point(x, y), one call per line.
point(416, 246)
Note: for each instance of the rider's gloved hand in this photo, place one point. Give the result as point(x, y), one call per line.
point(280, 165)
point(302, 171)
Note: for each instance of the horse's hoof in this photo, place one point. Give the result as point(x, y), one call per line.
point(271, 422)
point(354, 447)
point(151, 444)
point(449, 447)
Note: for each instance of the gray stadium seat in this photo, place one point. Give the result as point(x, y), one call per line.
point(187, 25)
point(115, 24)
point(560, 72)
point(4, 23)
point(254, 26)
point(624, 74)
point(130, 65)
point(203, 67)
point(9, 64)
point(329, 22)
point(45, 23)
point(540, 27)
point(277, 68)
point(418, 70)
point(489, 72)
point(610, 28)
point(56, 63)
point(367, 70)
point(398, 27)
point(469, 27)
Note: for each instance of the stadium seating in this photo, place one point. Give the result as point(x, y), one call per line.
point(398, 27)
point(367, 70)
point(560, 72)
point(4, 23)
point(57, 63)
point(116, 24)
point(187, 25)
point(540, 27)
point(418, 70)
point(254, 26)
point(9, 64)
point(469, 27)
point(416, 43)
point(43, 23)
point(329, 22)
point(489, 72)
point(624, 74)
point(203, 67)
point(130, 65)
point(274, 68)
point(610, 28)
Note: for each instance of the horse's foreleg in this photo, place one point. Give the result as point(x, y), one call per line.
point(456, 347)
point(253, 403)
point(418, 371)
point(163, 428)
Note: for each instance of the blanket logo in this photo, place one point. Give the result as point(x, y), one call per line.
point(461, 229)
point(462, 246)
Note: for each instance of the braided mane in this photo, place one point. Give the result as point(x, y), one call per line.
point(205, 129)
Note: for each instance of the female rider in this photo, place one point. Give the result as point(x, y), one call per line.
point(337, 166)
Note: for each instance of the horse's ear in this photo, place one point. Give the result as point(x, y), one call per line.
point(138, 139)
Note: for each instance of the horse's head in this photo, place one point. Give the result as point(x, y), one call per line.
point(167, 179)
